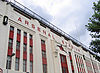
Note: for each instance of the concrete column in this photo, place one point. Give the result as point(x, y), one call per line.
point(28, 52)
point(37, 54)
point(49, 54)
point(14, 49)
point(21, 53)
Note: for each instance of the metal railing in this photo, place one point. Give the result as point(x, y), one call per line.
point(47, 23)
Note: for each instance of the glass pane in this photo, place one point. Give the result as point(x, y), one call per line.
point(18, 31)
point(11, 28)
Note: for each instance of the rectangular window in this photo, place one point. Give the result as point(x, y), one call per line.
point(11, 28)
point(44, 59)
point(18, 31)
point(64, 63)
point(17, 64)
point(24, 47)
point(18, 45)
point(31, 67)
point(24, 65)
point(25, 34)
point(44, 54)
point(44, 68)
point(30, 36)
point(42, 42)
point(8, 65)
point(31, 49)
point(10, 44)
point(71, 62)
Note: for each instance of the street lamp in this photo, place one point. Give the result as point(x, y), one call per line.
point(9, 61)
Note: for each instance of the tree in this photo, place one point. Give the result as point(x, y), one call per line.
point(94, 27)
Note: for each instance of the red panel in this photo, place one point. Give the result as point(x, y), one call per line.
point(18, 37)
point(11, 34)
point(43, 47)
point(31, 42)
point(18, 53)
point(10, 52)
point(61, 48)
point(76, 60)
point(25, 40)
point(25, 55)
point(44, 60)
point(31, 57)
point(70, 57)
point(72, 67)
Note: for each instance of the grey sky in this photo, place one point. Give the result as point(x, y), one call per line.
point(69, 15)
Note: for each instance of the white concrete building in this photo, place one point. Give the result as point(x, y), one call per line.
point(39, 46)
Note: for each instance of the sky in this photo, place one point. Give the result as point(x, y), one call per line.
point(69, 15)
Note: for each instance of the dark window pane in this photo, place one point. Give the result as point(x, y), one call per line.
point(18, 31)
point(25, 34)
point(17, 64)
point(8, 65)
point(24, 65)
point(11, 28)
point(10, 43)
point(44, 68)
point(18, 45)
point(31, 67)
point(30, 36)
point(31, 51)
point(42, 42)
point(24, 47)
point(44, 54)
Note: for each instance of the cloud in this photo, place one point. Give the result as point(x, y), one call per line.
point(37, 9)
point(69, 15)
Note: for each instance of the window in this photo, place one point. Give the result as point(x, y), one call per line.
point(18, 45)
point(24, 65)
point(44, 68)
point(64, 69)
point(30, 36)
point(24, 47)
point(43, 54)
point(64, 64)
point(17, 64)
point(8, 65)
point(42, 42)
point(11, 28)
point(25, 34)
point(10, 43)
point(31, 67)
point(18, 31)
point(31, 51)
point(63, 58)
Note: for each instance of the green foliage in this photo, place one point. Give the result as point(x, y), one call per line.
point(94, 27)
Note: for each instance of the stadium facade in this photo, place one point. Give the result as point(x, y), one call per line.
point(31, 44)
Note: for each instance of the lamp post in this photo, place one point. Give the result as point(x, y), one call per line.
point(13, 54)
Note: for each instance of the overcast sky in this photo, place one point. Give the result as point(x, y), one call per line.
point(69, 15)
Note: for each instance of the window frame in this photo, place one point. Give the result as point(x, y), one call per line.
point(10, 43)
point(24, 47)
point(17, 64)
point(17, 45)
point(24, 65)
point(8, 64)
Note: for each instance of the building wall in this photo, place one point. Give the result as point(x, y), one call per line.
point(33, 27)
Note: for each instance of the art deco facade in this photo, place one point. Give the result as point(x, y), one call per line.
point(39, 46)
